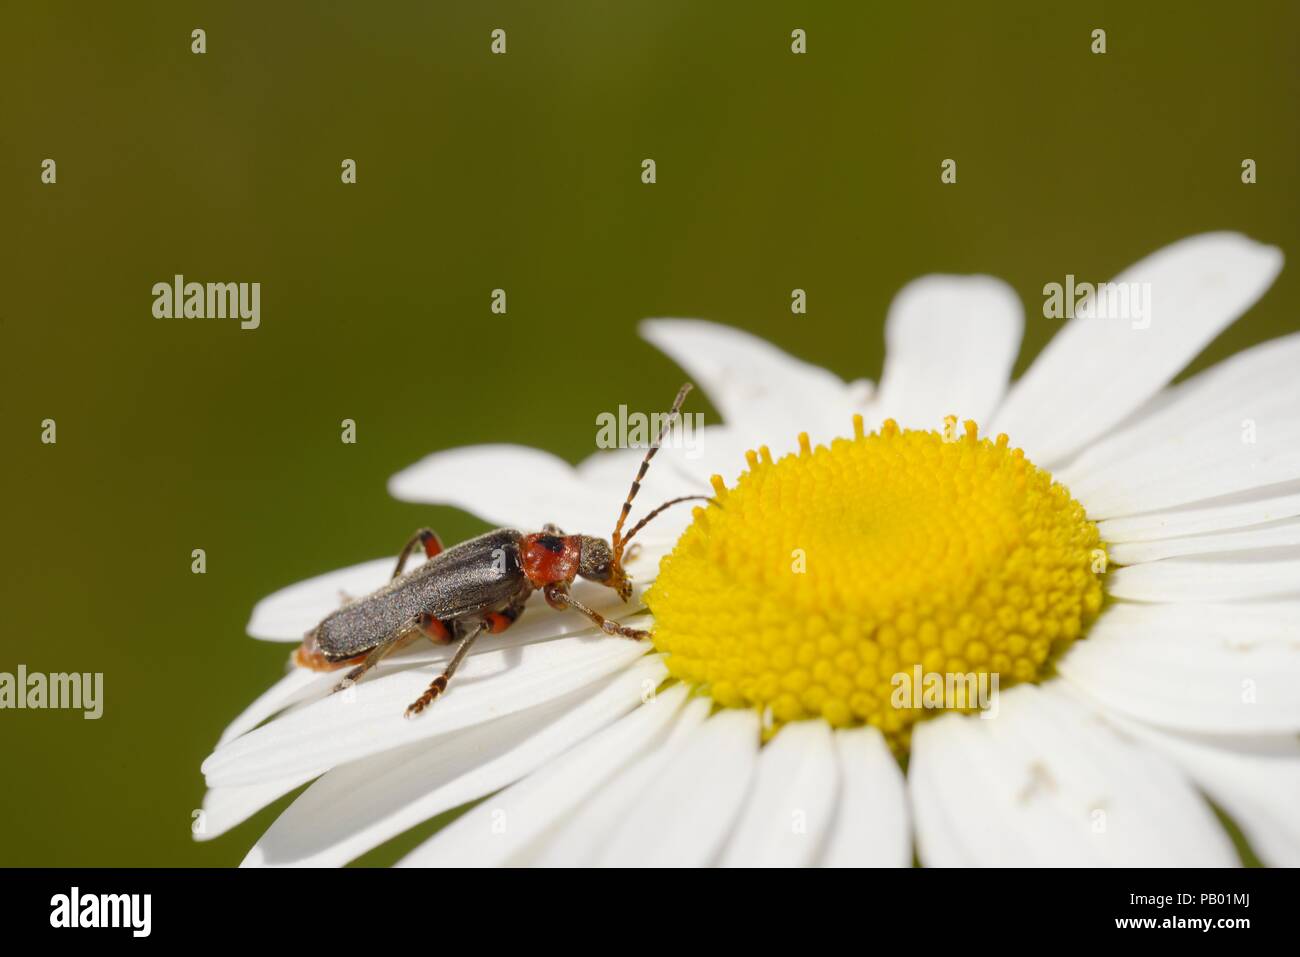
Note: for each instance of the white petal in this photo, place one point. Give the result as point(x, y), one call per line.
point(1255, 780)
point(225, 808)
point(684, 816)
point(722, 451)
point(762, 392)
point(1096, 371)
point(1286, 532)
point(512, 822)
point(357, 807)
point(579, 841)
point(369, 718)
point(608, 476)
point(508, 485)
point(1231, 578)
point(871, 827)
point(298, 685)
point(950, 343)
point(1213, 668)
point(1240, 510)
point(288, 614)
point(1045, 782)
point(1259, 789)
point(1242, 378)
point(714, 449)
point(790, 804)
point(1234, 428)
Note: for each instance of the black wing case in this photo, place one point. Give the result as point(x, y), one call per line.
point(480, 574)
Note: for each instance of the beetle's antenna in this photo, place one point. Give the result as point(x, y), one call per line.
point(672, 501)
point(616, 540)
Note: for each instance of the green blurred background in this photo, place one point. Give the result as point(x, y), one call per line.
point(521, 171)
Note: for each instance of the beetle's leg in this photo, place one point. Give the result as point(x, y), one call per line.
point(558, 597)
point(376, 655)
point(550, 528)
point(439, 684)
point(439, 632)
point(498, 621)
point(423, 624)
point(426, 537)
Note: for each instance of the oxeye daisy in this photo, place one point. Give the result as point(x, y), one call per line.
point(1116, 558)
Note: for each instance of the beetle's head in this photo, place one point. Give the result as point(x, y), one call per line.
point(596, 562)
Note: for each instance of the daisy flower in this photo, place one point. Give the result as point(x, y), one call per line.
point(1124, 555)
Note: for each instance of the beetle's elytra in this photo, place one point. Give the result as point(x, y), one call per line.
point(476, 586)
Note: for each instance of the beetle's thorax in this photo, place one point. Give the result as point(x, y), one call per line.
point(548, 559)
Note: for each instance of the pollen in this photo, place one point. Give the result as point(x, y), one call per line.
point(824, 584)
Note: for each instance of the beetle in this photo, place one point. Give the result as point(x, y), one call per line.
point(479, 585)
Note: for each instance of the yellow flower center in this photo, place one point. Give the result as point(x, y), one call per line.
point(827, 583)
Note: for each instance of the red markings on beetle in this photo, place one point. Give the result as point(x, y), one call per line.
point(309, 655)
point(549, 558)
